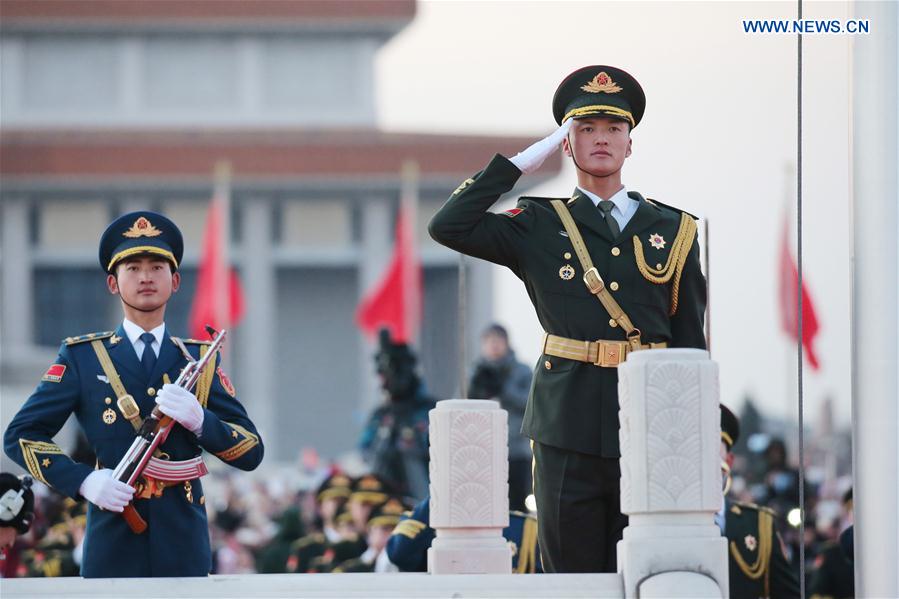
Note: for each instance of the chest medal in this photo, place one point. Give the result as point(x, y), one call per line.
point(566, 273)
point(109, 416)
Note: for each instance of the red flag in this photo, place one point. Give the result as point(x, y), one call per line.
point(789, 286)
point(395, 302)
point(218, 300)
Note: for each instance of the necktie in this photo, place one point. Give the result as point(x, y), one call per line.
point(606, 207)
point(148, 358)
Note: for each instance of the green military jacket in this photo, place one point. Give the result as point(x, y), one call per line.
point(574, 405)
point(755, 553)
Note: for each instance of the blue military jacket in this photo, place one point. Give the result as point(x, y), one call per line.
point(408, 546)
point(176, 542)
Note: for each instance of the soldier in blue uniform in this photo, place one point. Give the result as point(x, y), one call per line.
point(413, 535)
point(111, 381)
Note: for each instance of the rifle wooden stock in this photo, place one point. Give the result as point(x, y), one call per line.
point(133, 519)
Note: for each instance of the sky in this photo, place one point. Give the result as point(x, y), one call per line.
point(718, 139)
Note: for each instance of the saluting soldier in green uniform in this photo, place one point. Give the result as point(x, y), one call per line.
point(608, 273)
point(758, 565)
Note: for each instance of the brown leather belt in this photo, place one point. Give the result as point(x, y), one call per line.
point(607, 354)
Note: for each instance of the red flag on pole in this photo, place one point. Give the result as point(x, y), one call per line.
point(218, 300)
point(789, 290)
point(396, 301)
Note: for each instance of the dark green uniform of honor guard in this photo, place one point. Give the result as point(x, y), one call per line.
point(757, 562)
point(101, 379)
point(650, 266)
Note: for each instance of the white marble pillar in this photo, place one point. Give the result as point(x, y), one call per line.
point(874, 231)
point(469, 488)
point(670, 466)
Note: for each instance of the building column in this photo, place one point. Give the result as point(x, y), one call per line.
point(875, 327)
point(257, 352)
point(376, 245)
point(17, 298)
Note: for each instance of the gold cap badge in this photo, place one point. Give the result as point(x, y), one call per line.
point(142, 228)
point(602, 83)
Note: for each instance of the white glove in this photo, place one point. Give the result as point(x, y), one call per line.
point(182, 406)
point(529, 160)
point(101, 489)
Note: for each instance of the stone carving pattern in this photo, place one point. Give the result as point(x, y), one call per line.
point(673, 440)
point(471, 468)
point(434, 464)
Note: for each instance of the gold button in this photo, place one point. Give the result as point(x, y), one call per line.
point(108, 400)
point(615, 251)
point(659, 266)
point(151, 391)
point(613, 286)
point(613, 322)
point(567, 255)
point(548, 365)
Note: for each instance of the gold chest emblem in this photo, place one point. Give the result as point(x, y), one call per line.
point(109, 416)
point(566, 273)
point(750, 542)
point(657, 241)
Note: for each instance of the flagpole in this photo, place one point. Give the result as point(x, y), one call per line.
point(463, 335)
point(222, 195)
point(409, 176)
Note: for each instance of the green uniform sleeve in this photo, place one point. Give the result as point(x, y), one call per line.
point(465, 225)
point(687, 322)
point(784, 584)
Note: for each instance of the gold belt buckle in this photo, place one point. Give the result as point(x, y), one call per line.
point(593, 281)
point(609, 354)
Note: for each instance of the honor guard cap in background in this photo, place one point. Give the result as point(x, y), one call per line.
point(730, 427)
point(599, 91)
point(140, 234)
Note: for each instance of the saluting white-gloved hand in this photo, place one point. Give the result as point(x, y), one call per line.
point(182, 406)
point(101, 489)
point(530, 159)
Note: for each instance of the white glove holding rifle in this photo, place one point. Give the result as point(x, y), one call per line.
point(530, 159)
point(101, 489)
point(181, 406)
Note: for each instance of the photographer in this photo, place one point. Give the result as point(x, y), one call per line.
point(498, 375)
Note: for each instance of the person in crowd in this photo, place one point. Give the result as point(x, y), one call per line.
point(499, 375)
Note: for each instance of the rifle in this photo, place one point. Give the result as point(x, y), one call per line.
point(156, 428)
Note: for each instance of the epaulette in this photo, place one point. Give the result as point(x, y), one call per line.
point(672, 208)
point(746, 505)
point(541, 199)
point(88, 337)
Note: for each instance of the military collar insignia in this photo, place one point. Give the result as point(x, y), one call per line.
point(114, 340)
point(657, 241)
point(751, 542)
point(142, 227)
point(602, 83)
